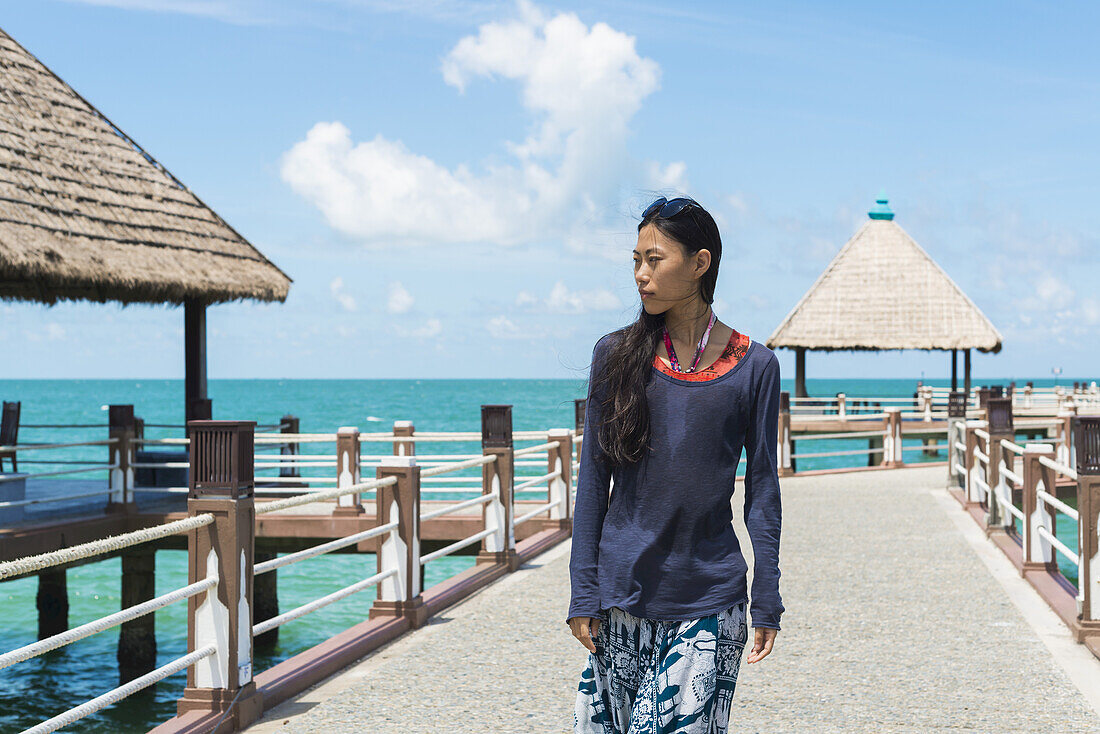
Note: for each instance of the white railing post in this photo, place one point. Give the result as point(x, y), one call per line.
point(1086, 439)
point(498, 477)
point(842, 406)
point(1037, 551)
point(891, 441)
point(786, 463)
point(999, 412)
point(560, 461)
point(222, 484)
point(974, 468)
point(348, 471)
point(400, 595)
point(121, 452)
point(956, 434)
point(404, 429)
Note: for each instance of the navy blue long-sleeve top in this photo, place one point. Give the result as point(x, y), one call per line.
point(656, 537)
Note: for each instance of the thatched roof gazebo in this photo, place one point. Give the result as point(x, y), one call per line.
point(883, 291)
point(86, 214)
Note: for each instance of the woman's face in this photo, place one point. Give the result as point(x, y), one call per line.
point(665, 274)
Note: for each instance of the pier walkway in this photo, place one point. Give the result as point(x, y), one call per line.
point(901, 617)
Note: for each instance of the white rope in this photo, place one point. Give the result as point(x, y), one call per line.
point(468, 464)
point(1053, 501)
point(1050, 538)
point(1060, 468)
point(321, 549)
point(537, 449)
point(532, 481)
point(112, 697)
point(327, 494)
point(458, 506)
point(324, 601)
point(109, 544)
point(86, 630)
point(20, 477)
point(537, 511)
point(456, 545)
point(37, 446)
point(43, 500)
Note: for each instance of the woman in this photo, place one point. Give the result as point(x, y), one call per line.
point(658, 590)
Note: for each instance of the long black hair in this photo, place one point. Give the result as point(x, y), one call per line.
point(623, 432)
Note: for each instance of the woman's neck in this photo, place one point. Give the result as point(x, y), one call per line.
point(686, 322)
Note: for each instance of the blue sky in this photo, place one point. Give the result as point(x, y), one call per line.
point(454, 187)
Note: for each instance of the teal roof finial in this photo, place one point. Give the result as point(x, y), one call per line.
point(881, 209)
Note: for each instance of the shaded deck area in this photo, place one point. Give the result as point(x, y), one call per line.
point(899, 618)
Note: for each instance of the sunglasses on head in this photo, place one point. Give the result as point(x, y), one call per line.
point(668, 208)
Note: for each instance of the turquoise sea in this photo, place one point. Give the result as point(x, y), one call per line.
point(35, 690)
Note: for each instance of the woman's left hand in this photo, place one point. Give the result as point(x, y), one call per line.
point(765, 637)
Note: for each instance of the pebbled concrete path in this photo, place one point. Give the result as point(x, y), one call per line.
point(894, 623)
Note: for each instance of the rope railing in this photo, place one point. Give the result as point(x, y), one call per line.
point(104, 623)
point(324, 601)
point(116, 695)
point(326, 494)
point(44, 446)
point(458, 465)
point(323, 548)
point(60, 498)
point(459, 506)
point(112, 543)
point(60, 472)
point(1059, 467)
point(533, 481)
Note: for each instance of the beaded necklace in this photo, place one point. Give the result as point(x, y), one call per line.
point(698, 350)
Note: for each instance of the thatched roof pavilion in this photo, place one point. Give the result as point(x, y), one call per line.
point(86, 214)
point(883, 291)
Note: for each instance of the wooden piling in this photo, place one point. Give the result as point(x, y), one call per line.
point(52, 602)
point(1086, 441)
point(265, 602)
point(137, 639)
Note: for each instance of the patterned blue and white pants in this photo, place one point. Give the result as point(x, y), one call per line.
point(659, 677)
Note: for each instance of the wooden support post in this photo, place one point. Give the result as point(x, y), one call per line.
point(800, 372)
point(954, 369)
point(399, 595)
point(559, 487)
point(196, 403)
point(265, 602)
point(120, 419)
point(404, 448)
point(579, 406)
point(222, 484)
point(347, 471)
point(841, 406)
point(892, 455)
point(137, 639)
point(1027, 394)
point(998, 517)
point(966, 372)
point(1037, 551)
point(52, 602)
point(786, 461)
point(1086, 439)
point(498, 478)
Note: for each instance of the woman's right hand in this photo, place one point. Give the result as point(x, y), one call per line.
point(585, 629)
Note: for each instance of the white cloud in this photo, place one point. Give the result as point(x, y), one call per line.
point(400, 300)
point(564, 300)
point(581, 85)
point(430, 329)
point(502, 327)
point(227, 11)
point(336, 287)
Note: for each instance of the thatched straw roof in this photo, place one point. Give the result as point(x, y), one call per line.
point(87, 214)
point(883, 291)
